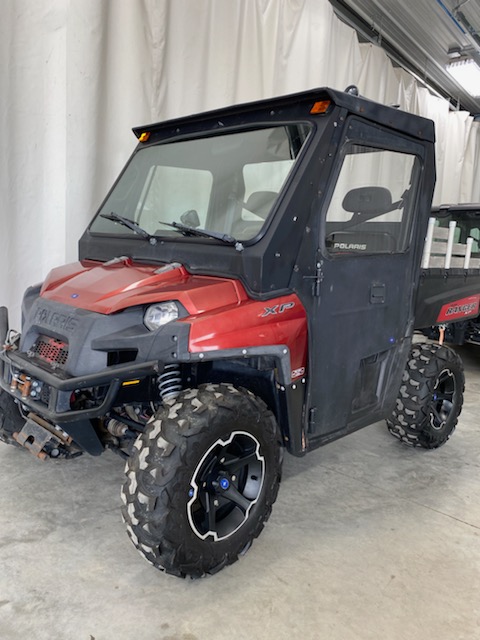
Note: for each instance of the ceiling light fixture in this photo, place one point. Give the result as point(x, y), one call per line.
point(454, 52)
point(467, 74)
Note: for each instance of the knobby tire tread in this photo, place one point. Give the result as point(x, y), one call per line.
point(155, 479)
point(409, 421)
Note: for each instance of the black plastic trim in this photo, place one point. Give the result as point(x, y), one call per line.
point(281, 353)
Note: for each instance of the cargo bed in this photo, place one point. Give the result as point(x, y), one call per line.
point(449, 287)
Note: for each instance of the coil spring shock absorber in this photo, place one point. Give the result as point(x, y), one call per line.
point(170, 382)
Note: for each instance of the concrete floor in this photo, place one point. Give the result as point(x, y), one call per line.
point(368, 540)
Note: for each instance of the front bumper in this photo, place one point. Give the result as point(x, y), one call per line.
point(61, 389)
point(76, 423)
point(21, 375)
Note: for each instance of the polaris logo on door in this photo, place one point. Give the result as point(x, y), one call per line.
point(349, 246)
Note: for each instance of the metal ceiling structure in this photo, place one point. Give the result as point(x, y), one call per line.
point(418, 35)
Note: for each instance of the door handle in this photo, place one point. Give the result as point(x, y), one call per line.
point(377, 294)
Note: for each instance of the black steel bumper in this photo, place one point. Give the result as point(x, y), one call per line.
point(75, 422)
point(112, 378)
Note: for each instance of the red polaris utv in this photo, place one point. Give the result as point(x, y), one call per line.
point(251, 283)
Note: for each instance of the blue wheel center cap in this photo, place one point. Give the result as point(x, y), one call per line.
point(224, 483)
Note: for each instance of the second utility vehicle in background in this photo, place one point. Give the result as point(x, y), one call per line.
point(465, 220)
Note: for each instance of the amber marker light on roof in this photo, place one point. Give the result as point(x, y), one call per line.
point(321, 106)
point(144, 136)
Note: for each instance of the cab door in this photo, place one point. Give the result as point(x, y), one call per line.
point(360, 325)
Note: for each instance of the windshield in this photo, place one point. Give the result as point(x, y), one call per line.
point(226, 184)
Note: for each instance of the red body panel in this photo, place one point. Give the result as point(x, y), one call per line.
point(252, 325)
point(460, 309)
point(107, 288)
point(221, 314)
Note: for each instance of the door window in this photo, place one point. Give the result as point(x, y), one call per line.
point(370, 207)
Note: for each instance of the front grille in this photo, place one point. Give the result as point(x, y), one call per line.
point(51, 351)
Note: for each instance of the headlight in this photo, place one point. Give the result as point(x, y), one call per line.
point(159, 314)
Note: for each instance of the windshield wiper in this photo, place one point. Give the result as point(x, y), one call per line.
point(130, 224)
point(203, 233)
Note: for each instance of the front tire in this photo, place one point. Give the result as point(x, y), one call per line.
point(430, 398)
point(202, 480)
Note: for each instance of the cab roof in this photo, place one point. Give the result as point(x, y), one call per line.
point(294, 106)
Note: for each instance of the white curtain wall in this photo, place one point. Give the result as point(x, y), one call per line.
point(76, 75)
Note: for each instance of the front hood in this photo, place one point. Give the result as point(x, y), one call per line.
point(120, 283)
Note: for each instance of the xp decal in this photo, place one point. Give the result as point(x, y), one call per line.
point(277, 309)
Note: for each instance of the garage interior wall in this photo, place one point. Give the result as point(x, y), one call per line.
point(77, 75)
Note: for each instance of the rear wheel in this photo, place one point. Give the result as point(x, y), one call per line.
point(202, 480)
point(430, 398)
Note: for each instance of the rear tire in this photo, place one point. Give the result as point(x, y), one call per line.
point(430, 398)
point(202, 480)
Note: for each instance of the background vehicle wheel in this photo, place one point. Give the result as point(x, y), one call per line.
point(10, 419)
point(202, 480)
point(430, 398)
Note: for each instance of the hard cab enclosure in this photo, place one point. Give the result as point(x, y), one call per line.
point(274, 245)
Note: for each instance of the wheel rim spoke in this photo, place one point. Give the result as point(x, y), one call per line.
point(211, 510)
point(233, 495)
point(443, 399)
point(444, 395)
point(235, 464)
point(439, 415)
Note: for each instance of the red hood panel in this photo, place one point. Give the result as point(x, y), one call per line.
point(109, 287)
